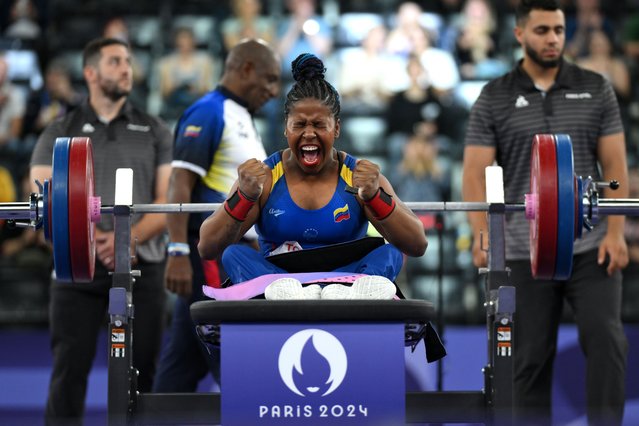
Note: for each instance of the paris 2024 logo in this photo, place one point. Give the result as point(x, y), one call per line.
point(324, 344)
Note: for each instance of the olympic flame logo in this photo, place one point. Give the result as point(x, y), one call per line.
point(324, 349)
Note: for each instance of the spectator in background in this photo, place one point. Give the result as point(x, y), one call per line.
point(413, 111)
point(602, 59)
point(421, 175)
point(12, 110)
point(185, 75)
point(441, 76)
point(407, 19)
point(302, 31)
point(439, 65)
point(246, 22)
point(116, 28)
point(58, 97)
point(23, 21)
point(587, 18)
point(367, 75)
point(476, 43)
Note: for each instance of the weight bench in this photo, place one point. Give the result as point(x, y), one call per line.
point(358, 345)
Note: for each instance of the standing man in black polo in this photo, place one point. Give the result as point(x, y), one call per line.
point(122, 137)
point(546, 95)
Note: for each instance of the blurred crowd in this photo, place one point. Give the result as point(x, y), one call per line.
point(407, 71)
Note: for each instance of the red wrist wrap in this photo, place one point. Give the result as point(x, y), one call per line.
point(382, 204)
point(238, 205)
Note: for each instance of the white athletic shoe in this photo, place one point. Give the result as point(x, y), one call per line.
point(371, 287)
point(291, 289)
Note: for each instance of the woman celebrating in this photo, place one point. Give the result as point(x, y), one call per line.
point(312, 195)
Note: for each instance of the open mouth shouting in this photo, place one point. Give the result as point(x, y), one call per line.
point(310, 155)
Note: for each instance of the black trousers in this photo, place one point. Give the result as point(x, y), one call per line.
point(77, 314)
point(595, 299)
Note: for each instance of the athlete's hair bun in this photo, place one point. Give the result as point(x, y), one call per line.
point(308, 67)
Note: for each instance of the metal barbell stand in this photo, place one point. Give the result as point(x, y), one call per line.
point(122, 381)
point(493, 405)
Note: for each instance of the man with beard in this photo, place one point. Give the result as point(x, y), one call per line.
point(546, 95)
point(122, 137)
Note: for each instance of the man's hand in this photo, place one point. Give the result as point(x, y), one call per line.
point(366, 179)
point(480, 256)
point(614, 246)
point(179, 275)
point(252, 175)
point(105, 248)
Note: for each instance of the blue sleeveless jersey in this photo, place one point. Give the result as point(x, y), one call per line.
point(342, 219)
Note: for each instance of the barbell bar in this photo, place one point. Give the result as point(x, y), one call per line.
point(21, 210)
point(558, 207)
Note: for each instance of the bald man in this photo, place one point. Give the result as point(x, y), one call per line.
point(213, 137)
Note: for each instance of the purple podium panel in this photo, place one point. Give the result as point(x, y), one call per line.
point(313, 374)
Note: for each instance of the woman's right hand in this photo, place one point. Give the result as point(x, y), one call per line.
point(252, 175)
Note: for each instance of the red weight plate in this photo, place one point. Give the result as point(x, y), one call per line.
point(81, 228)
point(543, 187)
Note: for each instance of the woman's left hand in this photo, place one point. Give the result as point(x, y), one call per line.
point(366, 179)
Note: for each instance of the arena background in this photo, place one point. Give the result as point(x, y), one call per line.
point(40, 35)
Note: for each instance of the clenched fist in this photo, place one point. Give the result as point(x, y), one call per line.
point(252, 175)
point(366, 179)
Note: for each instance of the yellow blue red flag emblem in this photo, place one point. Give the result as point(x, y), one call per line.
point(192, 131)
point(341, 213)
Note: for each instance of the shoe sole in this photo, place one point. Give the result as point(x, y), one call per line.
point(291, 289)
point(372, 287)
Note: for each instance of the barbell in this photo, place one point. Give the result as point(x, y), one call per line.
point(558, 207)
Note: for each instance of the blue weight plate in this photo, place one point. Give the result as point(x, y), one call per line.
point(565, 207)
point(46, 210)
point(60, 210)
